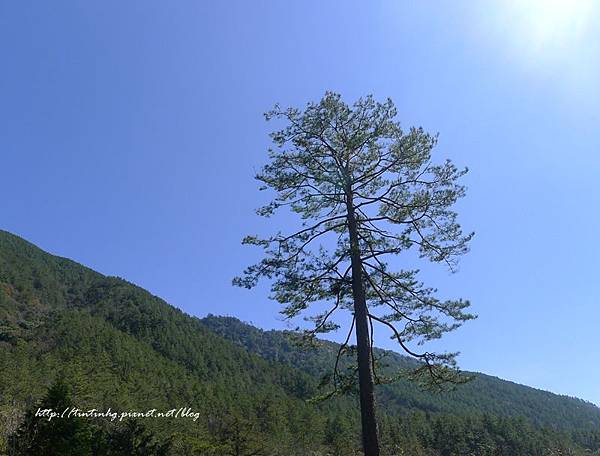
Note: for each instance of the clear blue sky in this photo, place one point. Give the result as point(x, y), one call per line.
point(130, 132)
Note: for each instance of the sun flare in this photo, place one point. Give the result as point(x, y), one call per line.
point(548, 25)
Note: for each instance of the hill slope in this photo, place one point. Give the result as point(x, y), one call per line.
point(119, 346)
point(484, 394)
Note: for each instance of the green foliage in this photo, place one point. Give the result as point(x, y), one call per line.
point(483, 395)
point(121, 348)
point(53, 436)
point(48, 435)
point(444, 435)
point(365, 190)
point(70, 336)
point(133, 439)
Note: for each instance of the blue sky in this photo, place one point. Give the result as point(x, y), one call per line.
point(130, 132)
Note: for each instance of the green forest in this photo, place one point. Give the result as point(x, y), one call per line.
point(71, 337)
point(299, 228)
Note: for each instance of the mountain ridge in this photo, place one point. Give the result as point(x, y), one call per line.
point(402, 389)
point(408, 359)
point(120, 346)
point(210, 316)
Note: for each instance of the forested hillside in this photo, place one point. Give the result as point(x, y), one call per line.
point(71, 335)
point(483, 394)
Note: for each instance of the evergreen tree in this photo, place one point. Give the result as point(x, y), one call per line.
point(364, 189)
point(133, 439)
point(234, 435)
point(53, 437)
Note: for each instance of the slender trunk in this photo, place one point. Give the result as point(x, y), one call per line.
point(365, 373)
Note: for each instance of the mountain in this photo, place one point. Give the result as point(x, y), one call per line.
point(483, 394)
point(123, 348)
point(117, 346)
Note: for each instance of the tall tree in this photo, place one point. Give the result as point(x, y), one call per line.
point(365, 190)
point(57, 436)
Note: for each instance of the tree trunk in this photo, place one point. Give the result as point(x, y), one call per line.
point(365, 373)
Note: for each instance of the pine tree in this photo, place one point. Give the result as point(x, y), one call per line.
point(364, 190)
point(53, 437)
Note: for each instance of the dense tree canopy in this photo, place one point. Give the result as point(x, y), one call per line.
point(115, 345)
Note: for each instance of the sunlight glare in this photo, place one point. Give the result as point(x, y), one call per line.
point(549, 26)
